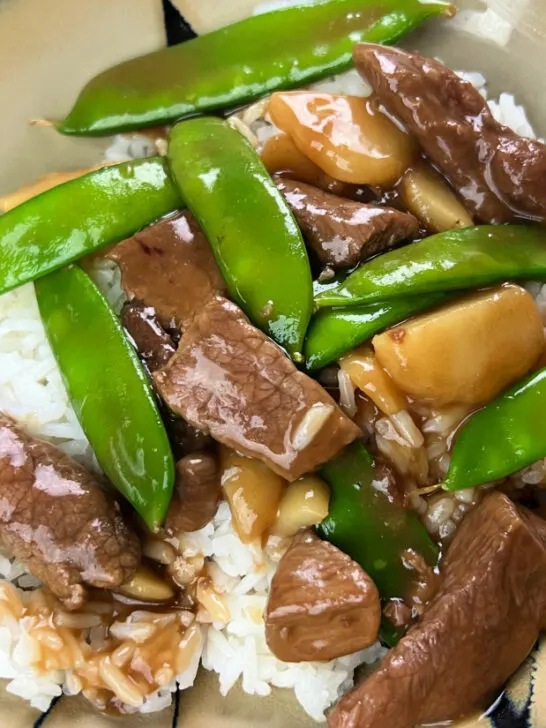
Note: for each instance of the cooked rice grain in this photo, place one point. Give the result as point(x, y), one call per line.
point(31, 390)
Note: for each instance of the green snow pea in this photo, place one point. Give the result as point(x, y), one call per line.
point(254, 237)
point(73, 219)
point(502, 438)
point(278, 50)
point(335, 331)
point(109, 391)
point(367, 526)
point(453, 260)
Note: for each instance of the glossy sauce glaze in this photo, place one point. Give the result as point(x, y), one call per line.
point(116, 653)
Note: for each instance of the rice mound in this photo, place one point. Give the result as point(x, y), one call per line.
point(31, 390)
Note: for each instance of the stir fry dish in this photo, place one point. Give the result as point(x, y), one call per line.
point(300, 357)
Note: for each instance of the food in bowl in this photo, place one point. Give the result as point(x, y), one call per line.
point(272, 395)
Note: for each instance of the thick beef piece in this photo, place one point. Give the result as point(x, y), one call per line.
point(343, 232)
point(228, 379)
point(498, 174)
point(170, 267)
point(56, 519)
point(154, 344)
point(477, 630)
point(197, 492)
point(185, 439)
point(321, 604)
point(155, 347)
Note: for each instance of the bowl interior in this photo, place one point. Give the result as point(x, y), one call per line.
point(49, 50)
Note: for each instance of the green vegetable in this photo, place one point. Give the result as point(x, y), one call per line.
point(364, 524)
point(80, 216)
point(502, 438)
point(232, 66)
point(109, 391)
point(256, 241)
point(452, 260)
point(334, 332)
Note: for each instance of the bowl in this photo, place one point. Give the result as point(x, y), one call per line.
point(48, 51)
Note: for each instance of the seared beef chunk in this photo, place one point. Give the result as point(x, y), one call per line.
point(170, 266)
point(476, 631)
point(56, 519)
point(342, 232)
point(154, 344)
point(196, 495)
point(229, 380)
point(498, 174)
point(155, 347)
point(321, 604)
point(185, 439)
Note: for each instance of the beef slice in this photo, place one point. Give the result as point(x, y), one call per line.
point(197, 492)
point(341, 232)
point(56, 519)
point(476, 631)
point(498, 174)
point(170, 267)
point(321, 605)
point(155, 346)
point(230, 381)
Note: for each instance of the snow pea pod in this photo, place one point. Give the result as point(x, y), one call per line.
point(281, 49)
point(335, 331)
point(109, 391)
point(77, 217)
point(453, 260)
point(367, 526)
point(502, 438)
point(254, 237)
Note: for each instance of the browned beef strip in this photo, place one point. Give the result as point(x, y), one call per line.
point(155, 346)
point(498, 174)
point(229, 380)
point(170, 267)
point(57, 520)
point(321, 605)
point(476, 631)
point(342, 232)
point(185, 439)
point(197, 493)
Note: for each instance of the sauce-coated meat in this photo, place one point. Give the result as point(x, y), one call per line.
point(481, 625)
point(197, 492)
point(228, 379)
point(57, 520)
point(155, 346)
point(170, 267)
point(322, 604)
point(185, 439)
point(342, 232)
point(498, 174)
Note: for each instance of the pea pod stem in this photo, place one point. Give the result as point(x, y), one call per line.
point(254, 237)
point(284, 48)
point(453, 260)
point(78, 217)
point(505, 436)
point(109, 391)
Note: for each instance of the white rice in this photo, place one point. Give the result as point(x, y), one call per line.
point(32, 391)
point(238, 651)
